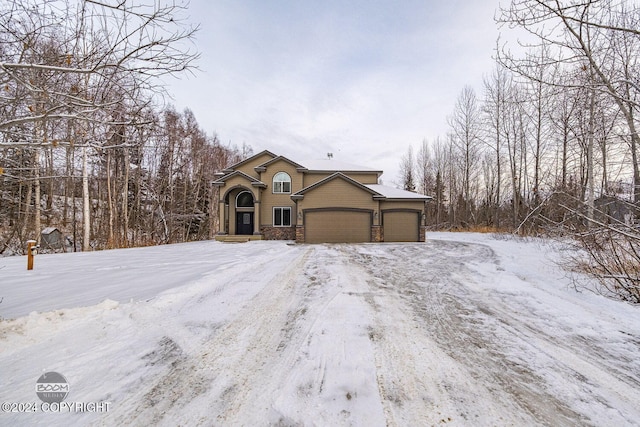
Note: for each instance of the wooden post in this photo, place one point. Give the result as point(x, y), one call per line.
point(30, 253)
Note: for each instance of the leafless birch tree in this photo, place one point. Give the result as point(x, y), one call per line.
point(71, 71)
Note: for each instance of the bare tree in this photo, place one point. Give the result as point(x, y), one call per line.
point(407, 171)
point(596, 43)
point(599, 36)
point(70, 71)
point(465, 123)
point(65, 60)
point(425, 169)
point(496, 92)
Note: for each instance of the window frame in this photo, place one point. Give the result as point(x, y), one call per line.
point(279, 189)
point(252, 200)
point(282, 210)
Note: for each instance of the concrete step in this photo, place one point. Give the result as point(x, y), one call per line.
point(237, 238)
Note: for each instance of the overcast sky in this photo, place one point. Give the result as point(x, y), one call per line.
point(360, 79)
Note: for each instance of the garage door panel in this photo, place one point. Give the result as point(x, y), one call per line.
point(337, 226)
point(401, 226)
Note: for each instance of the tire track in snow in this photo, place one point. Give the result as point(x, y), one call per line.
point(259, 338)
point(321, 370)
point(586, 361)
point(420, 383)
point(428, 280)
point(221, 370)
point(442, 352)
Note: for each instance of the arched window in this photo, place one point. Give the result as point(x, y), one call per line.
point(281, 183)
point(244, 199)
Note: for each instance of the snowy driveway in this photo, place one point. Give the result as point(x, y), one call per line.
point(461, 330)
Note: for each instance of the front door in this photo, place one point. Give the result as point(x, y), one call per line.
point(244, 222)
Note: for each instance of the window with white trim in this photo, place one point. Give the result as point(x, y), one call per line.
point(282, 217)
point(281, 183)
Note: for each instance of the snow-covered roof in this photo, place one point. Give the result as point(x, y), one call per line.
point(396, 193)
point(335, 165)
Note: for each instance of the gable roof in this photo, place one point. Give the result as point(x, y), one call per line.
point(338, 175)
point(255, 182)
point(247, 160)
point(263, 166)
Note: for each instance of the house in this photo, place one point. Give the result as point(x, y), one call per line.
point(51, 238)
point(322, 201)
point(613, 210)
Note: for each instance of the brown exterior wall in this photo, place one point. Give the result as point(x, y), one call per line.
point(311, 178)
point(335, 195)
point(238, 181)
point(282, 166)
point(413, 205)
point(364, 178)
point(338, 194)
point(283, 201)
point(271, 200)
point(248, 167)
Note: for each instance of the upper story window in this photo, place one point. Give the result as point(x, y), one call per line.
point(281, 183)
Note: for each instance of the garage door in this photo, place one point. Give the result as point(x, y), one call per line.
point(401, 226)
point(337, 227)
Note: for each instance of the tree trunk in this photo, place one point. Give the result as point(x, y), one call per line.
point(86, 211)
point(110, 242)
point(590, 137)
point(125, 200)
point(37, 209)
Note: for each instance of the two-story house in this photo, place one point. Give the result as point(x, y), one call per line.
point(272, 197)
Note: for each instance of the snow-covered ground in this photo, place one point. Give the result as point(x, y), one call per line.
point(464, 329)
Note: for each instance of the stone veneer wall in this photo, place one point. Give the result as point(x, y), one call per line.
point(423, 234)
point(278, 233)
point(377, 234)
point(300, 234)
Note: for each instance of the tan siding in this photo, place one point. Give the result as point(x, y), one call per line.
point(266, 211)
point(338, 193)
point(248, 167)
point(337, 227)
point(238, 180)
point(388, 204)
point(401, 226)
point(312, 178)
point(270, 200)
point(363, 178)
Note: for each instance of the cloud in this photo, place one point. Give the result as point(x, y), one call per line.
point(362, 79)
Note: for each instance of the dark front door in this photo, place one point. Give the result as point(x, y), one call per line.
point(244, 222)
